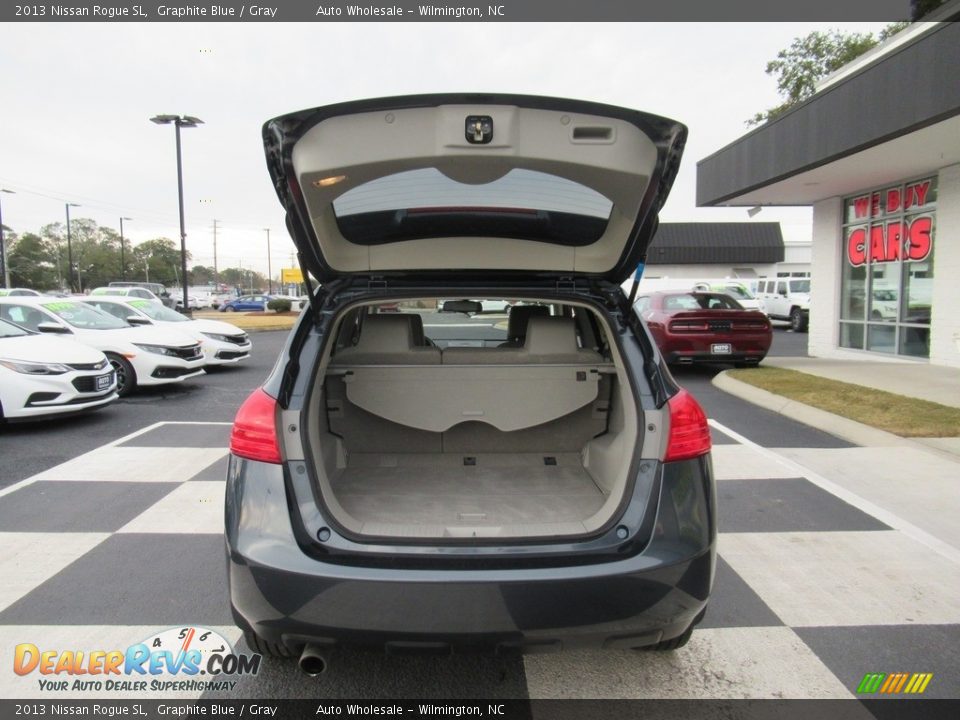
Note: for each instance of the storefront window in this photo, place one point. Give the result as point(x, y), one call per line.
point(887, 277)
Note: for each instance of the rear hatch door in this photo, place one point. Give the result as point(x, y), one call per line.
point(472, 186)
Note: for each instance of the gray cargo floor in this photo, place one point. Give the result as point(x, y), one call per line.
point(436, 491)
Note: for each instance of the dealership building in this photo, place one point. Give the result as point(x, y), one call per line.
point(876, 153)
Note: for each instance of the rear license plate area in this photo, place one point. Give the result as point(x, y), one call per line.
point(721, 348)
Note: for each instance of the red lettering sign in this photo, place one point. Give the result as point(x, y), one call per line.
point(890, 242)
point(878, 251)
point(916, 194)
point(857, 247)
point(894, 239)
point(861, 205)
point(919, 241)
point(893, 200)
point(875, 204)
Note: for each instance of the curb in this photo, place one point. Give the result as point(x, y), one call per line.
point(841, 427)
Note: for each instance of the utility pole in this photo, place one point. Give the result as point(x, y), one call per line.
point(70, 249)
point(3, 248)
point(216, 273)
point(269, 267)
point(123, 266)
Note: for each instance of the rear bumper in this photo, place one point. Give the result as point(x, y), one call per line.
point(744, 348)
point(622, 605)
point(286, 596)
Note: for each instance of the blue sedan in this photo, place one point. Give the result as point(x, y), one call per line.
point(247, 303)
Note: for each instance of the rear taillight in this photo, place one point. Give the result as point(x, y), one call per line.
point(689, 326)
point(689, 432)
point(254, 434)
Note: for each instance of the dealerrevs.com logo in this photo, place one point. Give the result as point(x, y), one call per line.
point(174, 660)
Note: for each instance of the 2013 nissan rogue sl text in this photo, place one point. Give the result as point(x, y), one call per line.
point(422, 473)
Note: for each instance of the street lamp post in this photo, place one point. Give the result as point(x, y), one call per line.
point(70, 249)
point(269, 267)
point(123, 266)
point(180, 121)
point(3, 246)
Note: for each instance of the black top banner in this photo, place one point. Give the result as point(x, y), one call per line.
point(460, 11)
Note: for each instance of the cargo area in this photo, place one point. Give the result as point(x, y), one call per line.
point(531, 436)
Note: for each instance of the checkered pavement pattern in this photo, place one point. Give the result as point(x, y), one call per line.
point(811, 593)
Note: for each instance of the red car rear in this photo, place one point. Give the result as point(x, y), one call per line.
point(693, 327)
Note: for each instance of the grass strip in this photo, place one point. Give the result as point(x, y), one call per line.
point(897, 414)
point(252, 321)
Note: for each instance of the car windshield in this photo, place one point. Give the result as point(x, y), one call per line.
point(83, 316)
point(738, 291)
point(701, 301)
point(156, 311)
point(800, 286)
point(11, 330)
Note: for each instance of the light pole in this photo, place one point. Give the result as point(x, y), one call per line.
point(123, 266)
point(3, 246)
point(180, 121)
point(269, 268)
point(70, 248)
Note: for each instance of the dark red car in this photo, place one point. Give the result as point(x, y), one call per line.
point(693, 327)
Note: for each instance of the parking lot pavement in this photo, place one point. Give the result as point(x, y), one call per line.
point(812, 591)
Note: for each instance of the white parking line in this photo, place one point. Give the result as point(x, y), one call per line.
point(113, 443)
point(885, 516)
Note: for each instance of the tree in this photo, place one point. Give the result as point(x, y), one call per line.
point(246, 280)
point(201, 275)
point(160, 258)
point(809, 59)
point(31, 264)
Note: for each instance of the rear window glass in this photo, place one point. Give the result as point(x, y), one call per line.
point(426, 203)
point(701, 301)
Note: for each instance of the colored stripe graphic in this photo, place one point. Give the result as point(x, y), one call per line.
point(895, 683)
point(871, 682)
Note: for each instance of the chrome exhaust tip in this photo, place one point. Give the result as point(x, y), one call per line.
point(313, 660)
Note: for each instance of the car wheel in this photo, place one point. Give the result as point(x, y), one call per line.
point(259, 645)
point(126, 377)
point(798, 322)
point(875, 315)
point(230, 308)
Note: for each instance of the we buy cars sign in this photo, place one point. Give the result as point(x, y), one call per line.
point(892, 235)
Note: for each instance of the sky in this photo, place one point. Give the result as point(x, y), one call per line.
point(77, 98)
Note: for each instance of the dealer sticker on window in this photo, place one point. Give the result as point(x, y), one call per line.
point(721, 348)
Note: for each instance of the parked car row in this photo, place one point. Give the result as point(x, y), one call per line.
point(124, 342)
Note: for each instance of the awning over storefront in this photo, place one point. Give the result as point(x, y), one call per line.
point(897, 116)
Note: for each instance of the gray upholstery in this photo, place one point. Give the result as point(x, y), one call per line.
point(517, 322)
point(388, 340)
point(554, 340)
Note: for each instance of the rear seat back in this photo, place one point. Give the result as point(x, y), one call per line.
point(549, 341)
point(388, 339)
point(518, 321)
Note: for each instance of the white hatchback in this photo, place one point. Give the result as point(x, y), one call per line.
point(139, 355)
point(44, 376)
point(222, 343)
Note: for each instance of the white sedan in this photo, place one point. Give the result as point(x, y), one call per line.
point(222, 343)
point(44, 376)
point(139, 355)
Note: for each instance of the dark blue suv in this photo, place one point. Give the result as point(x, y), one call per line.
point(416, 475)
